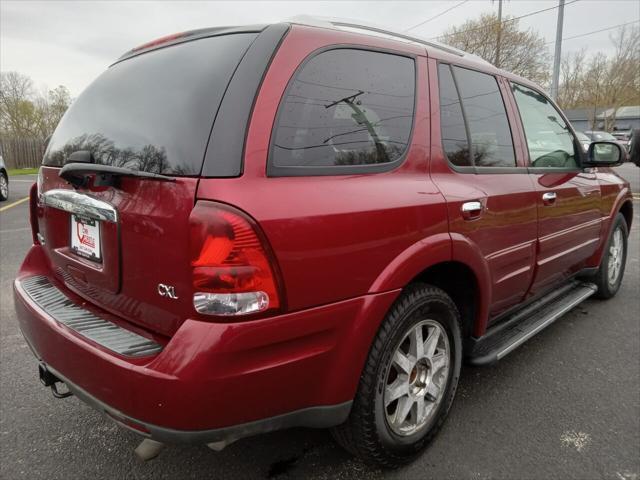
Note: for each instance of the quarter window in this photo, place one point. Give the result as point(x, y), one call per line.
point(549, 139)
point(345, 108)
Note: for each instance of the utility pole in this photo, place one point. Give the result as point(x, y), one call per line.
point(558, 52)
point(497, 60)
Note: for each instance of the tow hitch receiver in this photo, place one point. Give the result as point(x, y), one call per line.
point(48, 379)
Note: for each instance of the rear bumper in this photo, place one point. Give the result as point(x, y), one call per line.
point(212, 381)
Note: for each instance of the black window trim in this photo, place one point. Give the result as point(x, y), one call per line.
point(336, 170)
point(473, 168)
point(226, 144)
point(576, 147)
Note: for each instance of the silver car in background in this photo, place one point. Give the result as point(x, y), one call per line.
point(4, 181)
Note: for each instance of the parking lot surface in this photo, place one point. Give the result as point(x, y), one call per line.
point(565, 405)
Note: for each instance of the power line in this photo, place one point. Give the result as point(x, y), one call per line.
point(596, 31)
point(507, 20)
point(436, 16)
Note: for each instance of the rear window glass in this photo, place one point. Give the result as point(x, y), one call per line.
point(346, 107)
point(152, 112)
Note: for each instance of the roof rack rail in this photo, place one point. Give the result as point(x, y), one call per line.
point(351, 25)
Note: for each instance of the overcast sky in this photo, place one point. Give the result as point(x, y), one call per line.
point(71, 42)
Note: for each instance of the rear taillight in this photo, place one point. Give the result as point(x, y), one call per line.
point(33, 211)
point(233, 271)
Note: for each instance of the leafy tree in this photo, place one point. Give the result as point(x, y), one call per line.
point(522, 52)
point(26, 113)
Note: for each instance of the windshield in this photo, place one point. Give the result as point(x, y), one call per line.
point(152, 112)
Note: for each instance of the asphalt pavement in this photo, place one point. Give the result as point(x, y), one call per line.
point(565, 405)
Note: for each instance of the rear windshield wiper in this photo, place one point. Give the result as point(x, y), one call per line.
point(77, 174)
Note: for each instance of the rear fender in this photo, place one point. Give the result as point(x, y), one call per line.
point(439, 248)
point(412, 261)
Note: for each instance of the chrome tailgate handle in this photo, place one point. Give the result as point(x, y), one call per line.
point(80, 204)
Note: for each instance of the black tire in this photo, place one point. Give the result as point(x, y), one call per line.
point(4, 196)
point(607, 289)
point(366, 433)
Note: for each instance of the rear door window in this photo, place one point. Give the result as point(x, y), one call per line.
point(152, 112)
point(454, 133)
point(491, 142)
point(346, 109)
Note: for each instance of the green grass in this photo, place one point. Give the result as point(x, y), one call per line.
point(22, 171)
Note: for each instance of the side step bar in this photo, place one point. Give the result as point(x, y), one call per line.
point(505, 337)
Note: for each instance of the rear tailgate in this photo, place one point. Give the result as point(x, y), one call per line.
point(125, 247)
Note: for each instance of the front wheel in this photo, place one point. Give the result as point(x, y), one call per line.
point(4, 187)
point(409, 380)
point(611, 271)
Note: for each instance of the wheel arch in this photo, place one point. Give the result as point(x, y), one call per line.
point(458, 281)
point(626, 209)
point(451, 262)
point(623, 205)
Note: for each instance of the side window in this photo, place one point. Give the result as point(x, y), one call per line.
point(345, 108)
point(483, 106)
point(550, 142)
point(454, 134)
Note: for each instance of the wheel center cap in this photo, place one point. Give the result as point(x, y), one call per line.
point(419, 376)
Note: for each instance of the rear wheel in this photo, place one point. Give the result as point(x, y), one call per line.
point(4, 186)
point(611, 271)
point(409, 380)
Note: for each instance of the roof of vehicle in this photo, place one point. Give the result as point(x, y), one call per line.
point(188, 35)
point(629, 111)
point(433, 48)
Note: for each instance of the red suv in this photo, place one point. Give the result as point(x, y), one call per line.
point(237, 230)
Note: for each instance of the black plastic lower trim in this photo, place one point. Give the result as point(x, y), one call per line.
point(323, 416)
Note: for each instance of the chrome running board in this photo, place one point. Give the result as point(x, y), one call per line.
point(505, 337)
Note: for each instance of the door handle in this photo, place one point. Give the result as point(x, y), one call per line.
point(471, 210)
point(549, 198)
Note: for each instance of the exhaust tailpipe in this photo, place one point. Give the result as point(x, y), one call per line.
point(148, 449)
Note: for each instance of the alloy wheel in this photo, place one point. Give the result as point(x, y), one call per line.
point(616, 255)
point(4, 186)
point(416, 379)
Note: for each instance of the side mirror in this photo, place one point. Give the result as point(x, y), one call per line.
point(604, 154)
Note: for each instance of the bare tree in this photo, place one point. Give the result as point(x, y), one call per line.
point(603, 81)
point(622, 83)
point(572, 69)
point(522, 52)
